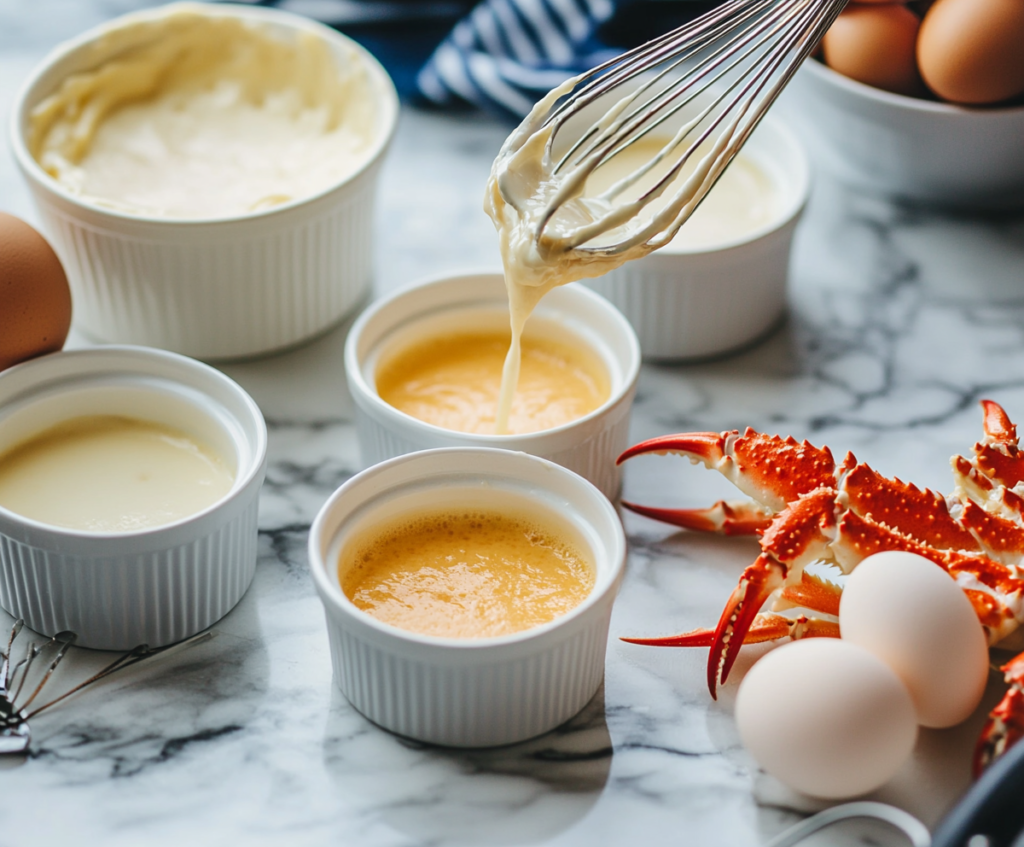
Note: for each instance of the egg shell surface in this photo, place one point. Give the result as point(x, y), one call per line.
point(972, 51)
point(875, 44)
point(35, 301)
point(911, 614)
point(826, 717)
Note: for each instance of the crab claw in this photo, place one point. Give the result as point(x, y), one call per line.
point(727, 518)
point(997, 455)
point(766, 627)
point(1005, 724)
point(998, 426)
point(772, 470)
point(706, 447)
point(758, 581)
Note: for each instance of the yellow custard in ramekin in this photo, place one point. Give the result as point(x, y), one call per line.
point(466, 572)
point(453, 381)
point(109, 473)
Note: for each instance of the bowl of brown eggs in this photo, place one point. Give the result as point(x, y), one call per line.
point(923, 101)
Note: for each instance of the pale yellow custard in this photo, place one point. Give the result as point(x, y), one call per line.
point(453, 381)
point(742, 201)
point(196, 115)
point(111, 474)
point(465, 573)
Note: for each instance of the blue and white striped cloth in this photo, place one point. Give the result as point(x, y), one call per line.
point(506, 54)
point(501, 55)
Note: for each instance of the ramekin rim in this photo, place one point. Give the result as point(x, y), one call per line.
point(356, 379)
point(327, 590)
point(32, 169)
point(241, 484)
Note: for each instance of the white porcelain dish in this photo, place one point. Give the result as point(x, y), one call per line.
point(156, 586)
point(222, 288)
point(589, 446)
point(915, 149)
point(468, 692)
point(687, 302)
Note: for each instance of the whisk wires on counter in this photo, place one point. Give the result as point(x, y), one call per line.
point(16, 710)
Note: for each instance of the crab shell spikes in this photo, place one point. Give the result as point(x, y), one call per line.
point(772, 470)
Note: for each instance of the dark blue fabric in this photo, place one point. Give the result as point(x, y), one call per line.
point(499, 55)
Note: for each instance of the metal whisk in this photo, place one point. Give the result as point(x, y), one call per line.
point(21, 685)
point(715, 76)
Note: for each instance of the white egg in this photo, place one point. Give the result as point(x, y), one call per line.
point(910, 613)
point(826, 717)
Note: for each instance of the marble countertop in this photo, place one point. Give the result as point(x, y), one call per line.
point(899, 322)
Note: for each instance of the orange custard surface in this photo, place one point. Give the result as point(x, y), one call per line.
point(453, 382)
point(465, 573)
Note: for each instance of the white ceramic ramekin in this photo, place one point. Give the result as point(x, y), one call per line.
point(156, 586)
point(588, 446)
point(915, 149)
point(689, 303)
point(468, 692)
point(219, 288)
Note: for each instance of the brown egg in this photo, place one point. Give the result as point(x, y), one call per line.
point(35, 301)
point(874, 44)
point(972, 51)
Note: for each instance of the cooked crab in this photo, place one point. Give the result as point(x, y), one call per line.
point(806, 509)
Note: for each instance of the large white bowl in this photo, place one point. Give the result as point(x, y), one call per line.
point(468, 692)
point(219, 288)
point(692, 302)
point(589, 445)
point(915, 149)
point(153, 586)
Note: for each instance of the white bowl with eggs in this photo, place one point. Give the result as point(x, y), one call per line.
point(917, 150)
point(588, 445)
point(173, 233)
point(720, 284)
point(154, 585)
point(468, 692)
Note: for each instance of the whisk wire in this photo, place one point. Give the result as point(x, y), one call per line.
point(719, 74)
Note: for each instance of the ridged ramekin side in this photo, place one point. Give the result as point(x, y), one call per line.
point(249, 290)
point(476, 704)
point(689, 306)
point(116, 602)
point(592, 458)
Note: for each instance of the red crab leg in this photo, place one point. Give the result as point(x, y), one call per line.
point(1005, 725)
point(998, 456)
point(766, 627)
point(811, 593)
point(773, 470)
point(756, 584)
point(741, 517)
point(901, 506)
point(998, 426)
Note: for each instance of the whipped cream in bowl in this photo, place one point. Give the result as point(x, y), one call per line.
point(207, 174)
point(203, 116)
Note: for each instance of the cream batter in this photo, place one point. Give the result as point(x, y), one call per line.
point(523, 187)
point(194, 115)
point(104, 473)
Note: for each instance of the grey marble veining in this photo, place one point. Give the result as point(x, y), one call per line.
point(900, 321)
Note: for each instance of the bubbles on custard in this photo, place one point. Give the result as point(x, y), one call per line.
point(465, 572)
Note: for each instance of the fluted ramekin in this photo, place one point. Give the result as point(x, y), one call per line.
point(154, 586)
point(589, 445)
point(468, 692)
point(689, 302)
point(220, 288)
